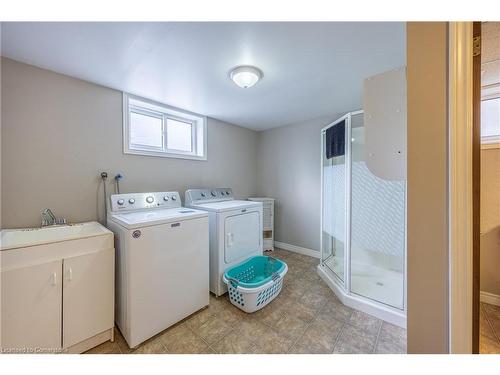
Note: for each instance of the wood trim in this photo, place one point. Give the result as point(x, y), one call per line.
point(460, 187)
point(476, 189)
point(489, 146)
point(492, 299)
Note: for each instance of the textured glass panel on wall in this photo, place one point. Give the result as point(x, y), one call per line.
point(146, 130)
point(334, 211)
point(377, 231)
point(179, 135)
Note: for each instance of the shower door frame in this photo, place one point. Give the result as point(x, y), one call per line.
point(346, 283)
point(369, 305)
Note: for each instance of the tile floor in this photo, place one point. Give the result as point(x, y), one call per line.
point(305, 318)
point(489, 341)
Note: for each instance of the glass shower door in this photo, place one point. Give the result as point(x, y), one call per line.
point(334, 210)
point(377, 239)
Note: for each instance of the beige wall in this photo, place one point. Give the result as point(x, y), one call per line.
point(289, 171)
point(59, 133)
point(427, 258)
point(490, 221)
point(0, 132)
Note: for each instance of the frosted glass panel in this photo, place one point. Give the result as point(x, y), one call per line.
point(146, 130)
point(377, 229)
point(179, 135)
point(334, 213)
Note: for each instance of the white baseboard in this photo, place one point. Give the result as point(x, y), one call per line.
point(490, 298)
point(297, 249)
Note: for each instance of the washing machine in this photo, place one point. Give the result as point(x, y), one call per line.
point(235, 230)
point(162, 262)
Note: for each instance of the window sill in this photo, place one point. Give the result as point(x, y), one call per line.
point(490, 145)
point(165, 155)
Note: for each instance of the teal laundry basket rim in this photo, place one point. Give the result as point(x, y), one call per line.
point(257, 262)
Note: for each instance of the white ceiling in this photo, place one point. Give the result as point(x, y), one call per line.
point(310, 70)
point(490, 53)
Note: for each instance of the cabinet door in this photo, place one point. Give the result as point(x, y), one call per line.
point(88, 296)
point(31, 307)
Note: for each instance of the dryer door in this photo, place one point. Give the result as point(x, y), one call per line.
point(242, 235)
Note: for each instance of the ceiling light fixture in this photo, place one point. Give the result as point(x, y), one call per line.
point(245, 76)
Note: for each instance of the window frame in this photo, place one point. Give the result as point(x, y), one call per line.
point(147, 107)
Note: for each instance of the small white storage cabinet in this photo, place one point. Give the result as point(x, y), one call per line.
point(268, 219)
point(57, 289)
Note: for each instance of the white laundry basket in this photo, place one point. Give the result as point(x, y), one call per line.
point(256, 282)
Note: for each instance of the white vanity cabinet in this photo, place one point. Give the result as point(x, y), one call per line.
point(31, 307)
point(57, 288)
point(88, 296)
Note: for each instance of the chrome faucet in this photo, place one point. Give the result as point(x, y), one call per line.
point(48, 218)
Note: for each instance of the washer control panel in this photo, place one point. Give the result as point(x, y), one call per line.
point(141, 201)
point(194, 196)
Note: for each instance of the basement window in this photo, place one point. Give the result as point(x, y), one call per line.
point(490, 120)
point(155, 129)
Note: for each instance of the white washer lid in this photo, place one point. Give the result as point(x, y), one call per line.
point(227, 205)
point(138, 219)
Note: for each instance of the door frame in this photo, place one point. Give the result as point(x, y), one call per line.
point(463, 185)
point(476, 184)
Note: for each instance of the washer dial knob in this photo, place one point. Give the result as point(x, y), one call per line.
point(131, 201)
point(150, 199)
point(165, 198)
point(120, 202)
point(174, 198)
point(213, 193)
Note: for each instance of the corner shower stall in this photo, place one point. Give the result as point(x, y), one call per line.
point(363, 224)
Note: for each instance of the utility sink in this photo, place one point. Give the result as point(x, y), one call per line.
point(16, 238)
